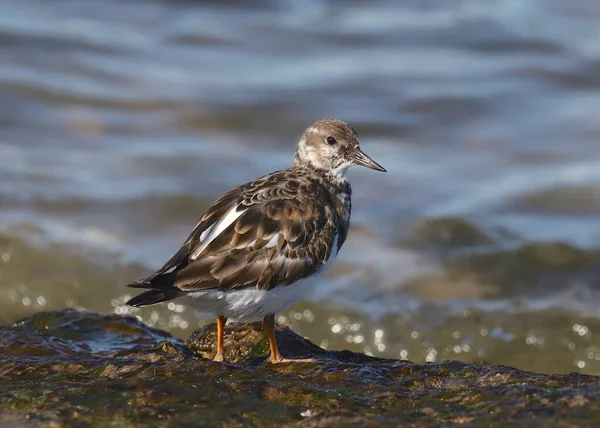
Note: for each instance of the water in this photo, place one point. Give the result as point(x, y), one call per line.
point(121, 121)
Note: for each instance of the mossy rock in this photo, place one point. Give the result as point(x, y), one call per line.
point(447, 233)
point(537, 267)
point(76, 368)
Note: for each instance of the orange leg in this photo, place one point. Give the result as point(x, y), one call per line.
point(221, 320)
point(269, 323)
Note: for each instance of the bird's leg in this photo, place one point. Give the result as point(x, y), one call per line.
point(269, 324)
point(221, 320)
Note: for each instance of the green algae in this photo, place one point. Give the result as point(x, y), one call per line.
point(157, 381)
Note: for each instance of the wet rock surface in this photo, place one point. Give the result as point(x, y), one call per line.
point(80, 368)
point(503, 266)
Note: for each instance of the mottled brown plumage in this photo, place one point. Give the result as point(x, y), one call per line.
point(294, 208)
point(267, 234)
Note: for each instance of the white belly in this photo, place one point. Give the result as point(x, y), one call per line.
point(250, 304)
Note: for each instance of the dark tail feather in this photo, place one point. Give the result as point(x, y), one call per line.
point(163, 280)
point(162, 289)
point(152, 297)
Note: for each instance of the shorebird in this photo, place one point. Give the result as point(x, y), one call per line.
point(253, 252)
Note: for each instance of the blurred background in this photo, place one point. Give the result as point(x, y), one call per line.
point(121, 121)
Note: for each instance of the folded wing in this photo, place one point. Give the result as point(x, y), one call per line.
point(246, 240)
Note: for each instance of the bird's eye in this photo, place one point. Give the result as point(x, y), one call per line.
point(331, 141)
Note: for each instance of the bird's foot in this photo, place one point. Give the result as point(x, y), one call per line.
point(291, 360)
point(219, 358)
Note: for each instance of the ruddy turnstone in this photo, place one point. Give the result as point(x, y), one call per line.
point(253, 251)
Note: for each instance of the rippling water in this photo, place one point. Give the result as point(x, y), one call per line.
point(121, 121)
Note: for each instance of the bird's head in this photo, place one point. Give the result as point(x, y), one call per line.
point(331, 146)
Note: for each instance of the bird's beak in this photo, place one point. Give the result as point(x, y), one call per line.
point(359, 158)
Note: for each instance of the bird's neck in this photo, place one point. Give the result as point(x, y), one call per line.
point(335, 177)
point(336, 184)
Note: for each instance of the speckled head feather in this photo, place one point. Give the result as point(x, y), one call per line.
point(331, 147)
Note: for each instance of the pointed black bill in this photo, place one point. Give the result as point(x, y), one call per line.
point(359, 158)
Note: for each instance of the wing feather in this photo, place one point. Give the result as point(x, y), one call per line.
point(244, 254)
point(230, 217)
point(266, 233)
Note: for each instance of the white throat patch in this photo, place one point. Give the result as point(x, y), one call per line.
point(340, 171)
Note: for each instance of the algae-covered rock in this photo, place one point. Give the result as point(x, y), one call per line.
point(495, 263)
point(76, 368)
point(446, 233)
point(247, 343)
point(535, 268)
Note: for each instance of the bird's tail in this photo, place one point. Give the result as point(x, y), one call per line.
point(152, 297)
point(161, 289)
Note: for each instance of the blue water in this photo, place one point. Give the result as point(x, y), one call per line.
point(479, 109)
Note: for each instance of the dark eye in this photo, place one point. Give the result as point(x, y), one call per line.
point(331, 141)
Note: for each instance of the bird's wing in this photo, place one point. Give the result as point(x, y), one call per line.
point(203, 227)
point(212, 222)
point(277, 242)
point(266, 233)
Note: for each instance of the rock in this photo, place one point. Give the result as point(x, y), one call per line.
point(447, 233)
point(247, 343)
point(78, 368)
point(496, 264)
point(536, 268)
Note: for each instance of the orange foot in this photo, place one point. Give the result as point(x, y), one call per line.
point(291, 360)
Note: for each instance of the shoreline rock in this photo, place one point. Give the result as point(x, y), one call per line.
point(81, 368)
